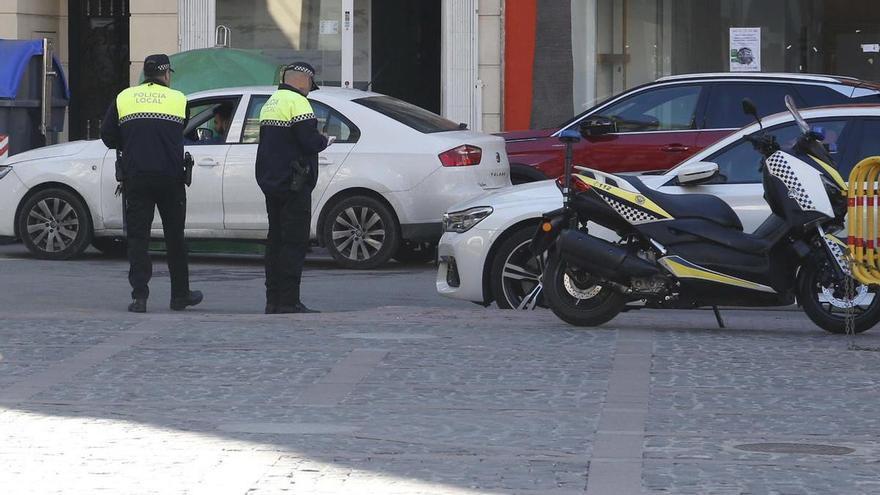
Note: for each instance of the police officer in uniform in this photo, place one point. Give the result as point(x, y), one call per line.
point(287, 170)
point(146, 123)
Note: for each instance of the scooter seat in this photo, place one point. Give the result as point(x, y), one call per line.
point(682, 206)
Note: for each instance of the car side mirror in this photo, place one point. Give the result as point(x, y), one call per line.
point(204, 134)
point(598, 126)
point(696, 173)
point(569, 136)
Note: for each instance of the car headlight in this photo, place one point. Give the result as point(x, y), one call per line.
point(462, 221)
point(4, 170)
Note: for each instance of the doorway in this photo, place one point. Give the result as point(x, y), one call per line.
point(406, 51)
point(99, 61)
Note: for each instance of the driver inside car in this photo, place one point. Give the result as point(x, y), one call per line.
point(222, 119)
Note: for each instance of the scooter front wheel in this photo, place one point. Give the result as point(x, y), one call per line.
point(576, 297)
point(824, 300)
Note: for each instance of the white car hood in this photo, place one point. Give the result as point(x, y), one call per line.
point(543, 195)
point(56, 150)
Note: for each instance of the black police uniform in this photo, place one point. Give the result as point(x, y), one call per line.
point(146, 123)
point(288, 136)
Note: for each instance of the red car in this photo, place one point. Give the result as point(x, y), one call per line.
point(657, 125)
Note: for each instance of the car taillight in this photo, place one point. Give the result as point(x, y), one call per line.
point(577, 183)
point(463, 156)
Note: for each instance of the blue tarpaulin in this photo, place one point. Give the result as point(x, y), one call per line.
point(14, 58)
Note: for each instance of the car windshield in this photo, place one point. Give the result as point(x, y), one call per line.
point(408, 115)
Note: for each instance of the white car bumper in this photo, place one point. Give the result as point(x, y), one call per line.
point(12, 190)
point(461, 261)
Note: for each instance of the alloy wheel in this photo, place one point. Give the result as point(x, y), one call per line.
point(358, 232)
point(521, 277)
point(52, 225)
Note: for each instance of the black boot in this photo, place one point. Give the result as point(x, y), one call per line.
point(271, 309)
point(297, 308)
point(180, 303)
point(138, 306)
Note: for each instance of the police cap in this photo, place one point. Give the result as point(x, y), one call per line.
point(303, 67)
point(155, 65)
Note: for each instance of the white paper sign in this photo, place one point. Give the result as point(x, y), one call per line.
point(329, 27)
point(871, 48)
point(745, 49)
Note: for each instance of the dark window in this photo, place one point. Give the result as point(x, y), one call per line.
point(330, 122)
point(661, 109)
point(408, 115)
point(818, 95)
point(868, 145)
point(739, 163)
point(725, 103)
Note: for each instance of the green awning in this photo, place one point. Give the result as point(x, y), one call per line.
point(212, 68)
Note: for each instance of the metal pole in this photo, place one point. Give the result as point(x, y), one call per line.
point(46, 104)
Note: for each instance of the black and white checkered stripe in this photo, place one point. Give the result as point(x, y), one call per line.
point(288, 123)
point(632, 215)
point(163, 67)
point(302, 68)
point(151, 115)
point(839, 256)
point(780, 168)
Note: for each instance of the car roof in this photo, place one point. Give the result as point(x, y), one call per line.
point(788, 76)
point(331, 91)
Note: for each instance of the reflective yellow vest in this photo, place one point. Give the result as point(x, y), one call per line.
point(285, 108)
point(151, 101)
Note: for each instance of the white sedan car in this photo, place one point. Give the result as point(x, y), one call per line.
point(382, 187)
point(485, 251)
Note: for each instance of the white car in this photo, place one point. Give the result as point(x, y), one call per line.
point(485, 252)
point(382, 186)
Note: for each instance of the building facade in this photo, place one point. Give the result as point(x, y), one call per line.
point(493, 64)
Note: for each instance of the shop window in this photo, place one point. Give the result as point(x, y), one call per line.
point(663, 109)
point(330, 122)
point(725, 103)
point(740, 163)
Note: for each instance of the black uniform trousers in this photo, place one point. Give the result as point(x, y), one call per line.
point(290, 216)
point(143, 194)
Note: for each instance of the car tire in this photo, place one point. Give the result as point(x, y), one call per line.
point(416, 253)
point(515, 274)
point(54, 224)
point(361, 232)
point(114, 247)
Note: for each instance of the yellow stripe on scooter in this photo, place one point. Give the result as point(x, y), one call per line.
point(631, 197)
point(832, 172)
point(682, 268)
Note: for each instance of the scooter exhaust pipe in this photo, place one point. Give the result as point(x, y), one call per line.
point(602, 258)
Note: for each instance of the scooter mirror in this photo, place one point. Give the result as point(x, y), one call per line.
point(749, 107)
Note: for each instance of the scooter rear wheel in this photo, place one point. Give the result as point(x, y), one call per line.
point(577, 298)
point(825, 305)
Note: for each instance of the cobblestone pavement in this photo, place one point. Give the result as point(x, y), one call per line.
point(403, 400)
point(422, 400)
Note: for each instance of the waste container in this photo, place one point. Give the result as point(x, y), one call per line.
point(22, 112)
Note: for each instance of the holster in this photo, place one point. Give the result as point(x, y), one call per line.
point(120, 167)
point(188, 164)
point(300, 177)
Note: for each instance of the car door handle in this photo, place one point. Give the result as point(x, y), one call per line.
point(208, 162)
point(323, 160)
point(675, 148)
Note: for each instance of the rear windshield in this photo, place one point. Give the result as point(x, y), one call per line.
point(407, 114)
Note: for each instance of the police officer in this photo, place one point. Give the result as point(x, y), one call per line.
point(286, 170)
point(146, 123)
